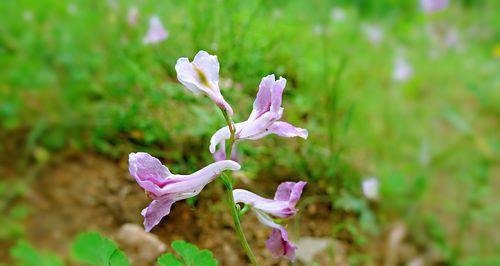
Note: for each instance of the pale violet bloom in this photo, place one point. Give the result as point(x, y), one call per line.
point(133, 16)
point(202, 76)
point(431, 6)
point(373, 33)
point(402, 70)
point(338, 14)
point(263, 120)
point(166, 188)
point(282, 206)
point(156, 33)
point(370, 188)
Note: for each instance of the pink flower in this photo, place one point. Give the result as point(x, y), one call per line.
point(282, 206)
point(263, 120)
point(166, 188)
point(431, 6)
point(202, 76)
point(156, 33)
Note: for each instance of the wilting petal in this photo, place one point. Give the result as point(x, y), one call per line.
point(156, 33)
point(278, 242)
point(202, 76)
point(155, 212)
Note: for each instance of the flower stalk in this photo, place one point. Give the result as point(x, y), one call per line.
point(228, 184)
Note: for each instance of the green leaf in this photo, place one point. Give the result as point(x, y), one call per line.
point(190, 255)
point(94, 249)
point(25, 255)
point(169, 260)
point(186, 250)
point(205, 258)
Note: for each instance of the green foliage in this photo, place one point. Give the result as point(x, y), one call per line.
point(94, 249)
point(25, 255)
point(12, 211)
point(189, 254)
point(431, 140)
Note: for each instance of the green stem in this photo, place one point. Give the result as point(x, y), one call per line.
point(237, 224)
point(228, 183)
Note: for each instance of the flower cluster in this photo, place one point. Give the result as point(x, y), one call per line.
point(201, 76)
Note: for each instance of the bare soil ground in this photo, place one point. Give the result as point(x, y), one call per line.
point(80, 192)
point(77, 192)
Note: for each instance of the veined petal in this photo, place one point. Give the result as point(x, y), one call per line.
point(278, 242)
point(262, 102)
point(277, 94)
point(256, 129)
point(290, 191)
point(148, 171)
point(197, 180)
point(155, 212)
point(284, 129)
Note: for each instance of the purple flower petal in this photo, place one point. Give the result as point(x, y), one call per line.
point(166, 188)
point(284, 129)
point(279, 245)
point(290, 191)
point(264, 118)
point(277, 94)
point(209, 66)
point(156, 33)
point(262, 102)
point(282, 206)
point(430, 6)
point(155, 212)
point(202, 76)
point(278, 242)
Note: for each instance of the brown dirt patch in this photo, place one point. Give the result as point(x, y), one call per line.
point(80, 192)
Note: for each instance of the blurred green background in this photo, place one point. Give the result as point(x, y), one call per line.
point(75, 76)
